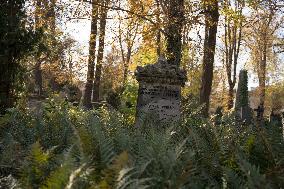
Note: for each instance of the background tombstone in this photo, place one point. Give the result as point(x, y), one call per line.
point(218, 115)
point(159, 94)
point(243, 111)
point(277, 119)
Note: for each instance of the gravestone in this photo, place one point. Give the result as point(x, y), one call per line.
point(259, 111)
point(276, 118)
point(243, 111)
point(218, 115)
point(159, 93)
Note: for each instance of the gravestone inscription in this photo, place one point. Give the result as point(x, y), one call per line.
point(159, 92)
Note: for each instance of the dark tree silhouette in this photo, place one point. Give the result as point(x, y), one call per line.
point(98, 73)
point(175, 19)
point(15, 42)
point(211, 10)
point(87, 99)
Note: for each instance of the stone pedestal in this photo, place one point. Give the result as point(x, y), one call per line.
point(159, 95)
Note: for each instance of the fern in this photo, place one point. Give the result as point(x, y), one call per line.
point(66, 147)
point(252, 173)
point(59, 178)
point(36, 168)
point(232, 180)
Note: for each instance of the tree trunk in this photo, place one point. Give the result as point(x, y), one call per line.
point(97, 82)
point(262, 84)
point(211, 25)
point(44, 17)
point(265, 43)
point(158, 43)
point(174, 31)
point(87, 99)
point(4, 96)
point(8, 58)
point(125, 71)
point(6, 100)
point(158, 29)
point(233, 37)
point(52, 16)
point(132, 30)
point(38, 78)
point(37, 70)
point(231, 97)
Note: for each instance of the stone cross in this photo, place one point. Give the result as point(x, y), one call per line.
point(159, 93)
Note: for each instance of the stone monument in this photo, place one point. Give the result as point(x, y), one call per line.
point(159, 94)
point(243, 111)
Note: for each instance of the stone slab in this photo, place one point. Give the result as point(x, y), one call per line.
point(159, 94)
point(159, 100)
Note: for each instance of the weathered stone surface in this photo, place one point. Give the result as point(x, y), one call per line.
point(159, 92)
point(161, 72)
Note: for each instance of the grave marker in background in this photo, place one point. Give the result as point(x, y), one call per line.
point(243, 111)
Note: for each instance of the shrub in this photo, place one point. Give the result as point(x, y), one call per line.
point(66, 147)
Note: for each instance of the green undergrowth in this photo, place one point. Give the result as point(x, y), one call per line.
point(66, 147)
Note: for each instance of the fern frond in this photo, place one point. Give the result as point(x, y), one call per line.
point(128, 180)
point(254, 178)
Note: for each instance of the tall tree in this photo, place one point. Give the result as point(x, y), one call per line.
point(175, 21)
point(15, 42)
point(45, 20)
point(52, 16)
point(158, 20)
point(233, 26)
point(39, 19)
point(261, 38)
point(211, 11)
point(126, 37)
point(102, 30)
point(87, 99)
